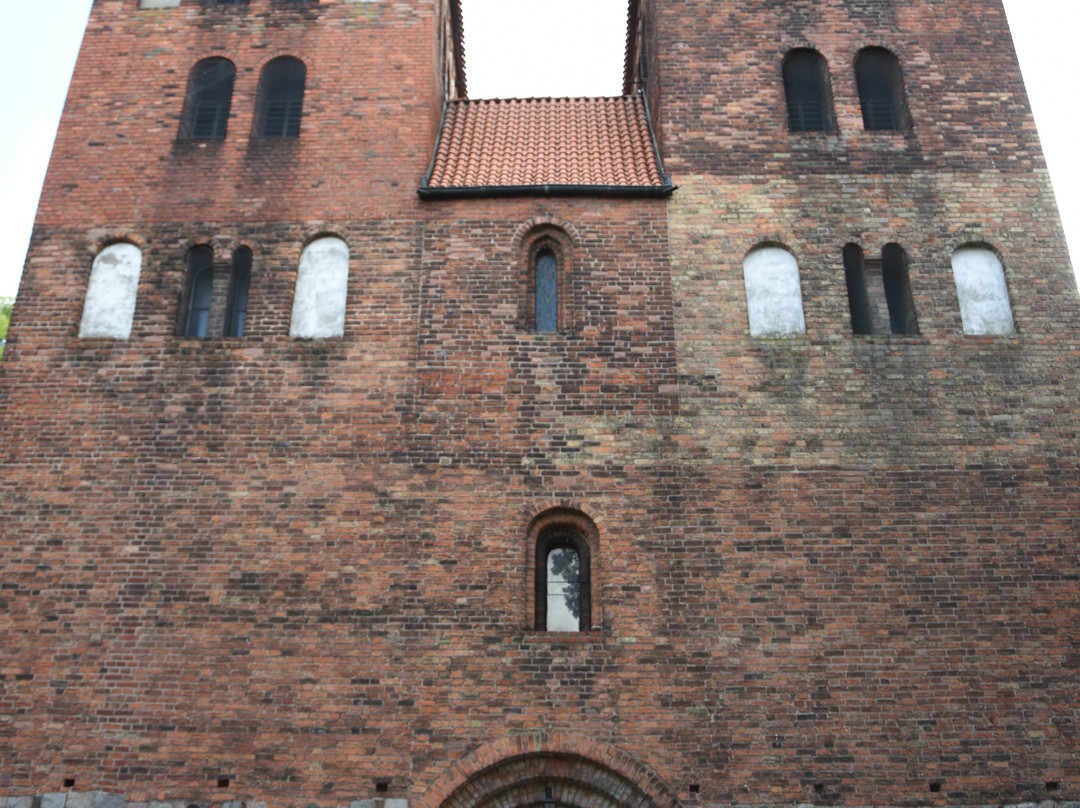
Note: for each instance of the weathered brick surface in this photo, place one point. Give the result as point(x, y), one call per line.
point(830, 569)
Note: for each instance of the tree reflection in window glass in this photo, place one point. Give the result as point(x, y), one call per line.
point(563, 590)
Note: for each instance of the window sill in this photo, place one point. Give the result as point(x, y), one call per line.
point(564, 637)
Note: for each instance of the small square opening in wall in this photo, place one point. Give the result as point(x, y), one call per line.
point(69, 782)
point(935, 788)
point(382, 786)
point(819, 788)
point(1052, 785)
point(695, 788)
point(223, 782)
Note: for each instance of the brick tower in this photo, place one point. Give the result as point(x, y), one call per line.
point(369, 445)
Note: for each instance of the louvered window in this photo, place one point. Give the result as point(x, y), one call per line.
point(281, 98)
point(881, 91)
point(209, 97)
point(806, 88)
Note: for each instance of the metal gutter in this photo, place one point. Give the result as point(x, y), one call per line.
point(496, 191)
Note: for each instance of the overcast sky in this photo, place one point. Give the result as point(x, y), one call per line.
point(39, 40)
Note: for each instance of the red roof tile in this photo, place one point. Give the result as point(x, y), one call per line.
point(546, 145)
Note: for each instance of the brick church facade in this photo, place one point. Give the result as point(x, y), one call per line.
point(370, 445)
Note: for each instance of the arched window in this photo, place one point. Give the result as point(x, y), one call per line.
point(281, 98)
point(881, 90)
point(215, 296)
point(209, 96)
point(322, 282)
point(806, 87)
point(879, 292)
point(238, 293)
point(773, 293)
point(563, 592)
point(200, 282)
point(109, 309)
point(980, 287)
point(546, 273)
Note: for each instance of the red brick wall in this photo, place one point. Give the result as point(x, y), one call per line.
point(828, 569)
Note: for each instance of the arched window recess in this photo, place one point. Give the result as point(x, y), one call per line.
point(281, 98)
point(208, 100)
point(881, 91)
point(215, 297)
point(806, 89)
point(563, 585)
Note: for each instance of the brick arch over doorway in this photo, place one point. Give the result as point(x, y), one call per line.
point(527, 770)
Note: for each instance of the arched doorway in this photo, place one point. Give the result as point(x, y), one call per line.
point(542, 771)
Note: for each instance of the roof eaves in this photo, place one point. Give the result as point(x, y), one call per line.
point(495, 191)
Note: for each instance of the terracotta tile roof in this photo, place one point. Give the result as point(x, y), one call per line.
point(546, 145)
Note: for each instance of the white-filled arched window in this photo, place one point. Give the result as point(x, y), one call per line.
point(980, 286)
point(321, 287)
point(773, 295)
point(109, 309)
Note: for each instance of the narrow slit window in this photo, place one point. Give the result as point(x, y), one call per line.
point(862, 322)
point(881, 91)
point(894, 277)
point(238, 293)
point(806, 88)
point(879, 292)
point(547, 291)
point(200, 291)
point(208, 100)
point(281, 98)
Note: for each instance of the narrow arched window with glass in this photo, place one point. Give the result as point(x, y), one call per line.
point(546, 271)
point(563, 600)
point(200, 291)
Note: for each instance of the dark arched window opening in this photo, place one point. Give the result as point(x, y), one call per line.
point(215, 297)
point(238, 293)
point(806, 87)
point(563, 597)
point(881, 90)
point(879, 292)
point(547, 291)
point(209, 96)
point(862, 321)
point(200, 282)
point(894, 277)
point(281, 98)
